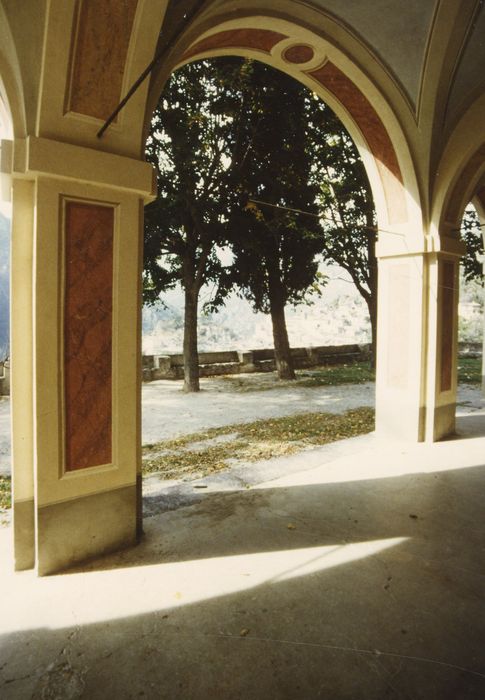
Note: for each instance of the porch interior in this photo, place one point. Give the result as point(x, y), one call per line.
point(361, 577)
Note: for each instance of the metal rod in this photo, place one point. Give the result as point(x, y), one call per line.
point(149, 69)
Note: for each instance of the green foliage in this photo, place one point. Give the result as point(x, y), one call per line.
point(275, 247)
point(5, 492)
point(469, 370)
point(471, 234)
point(190, 145)
point(348, 218)
point(334, 375)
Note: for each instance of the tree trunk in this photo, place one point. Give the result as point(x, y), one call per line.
point(191, 355)
point(373, 281)
point(284, 363)
point(372, 306)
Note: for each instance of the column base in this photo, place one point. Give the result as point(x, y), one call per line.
point(83, 528)
point(442, 422)
point(24, 534)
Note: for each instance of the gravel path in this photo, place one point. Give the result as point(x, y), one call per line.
point(168, 412)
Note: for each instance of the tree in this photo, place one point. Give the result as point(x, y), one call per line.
point(230, 131)
point(275, 247)
point(348, 219)
point(471, 234)
point(189, 144)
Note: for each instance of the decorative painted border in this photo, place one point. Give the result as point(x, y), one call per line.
point(332, 79)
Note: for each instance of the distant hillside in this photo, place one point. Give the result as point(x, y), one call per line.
point(4, 286)
point(340, 316)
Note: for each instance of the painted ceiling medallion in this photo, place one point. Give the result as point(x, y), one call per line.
point(300, 53)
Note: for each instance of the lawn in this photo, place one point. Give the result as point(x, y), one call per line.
point(5, 492)
point(469, 370)
point(200, 454)
point(333, 375)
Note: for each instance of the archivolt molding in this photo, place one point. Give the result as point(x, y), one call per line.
point(460, 171)
point(349, 92)
point(11, 87)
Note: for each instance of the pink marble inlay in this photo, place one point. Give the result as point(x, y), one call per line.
point(301, 53)
point(374, 131)
point(260, 39)
point(88, 334)
point(447, 315)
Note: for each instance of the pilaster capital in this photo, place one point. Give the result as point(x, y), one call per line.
point(36, 157)
point(399, 245)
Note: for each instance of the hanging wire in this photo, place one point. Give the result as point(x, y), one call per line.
point(376, 229)
point(251, 200)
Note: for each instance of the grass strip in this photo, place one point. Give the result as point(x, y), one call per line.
point(261, 439)
point(469, 370)
point(5, 492)
point(333, 375)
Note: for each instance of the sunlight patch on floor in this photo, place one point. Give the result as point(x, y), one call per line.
point(100, 596)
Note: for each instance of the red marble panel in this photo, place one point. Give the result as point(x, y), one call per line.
point(399, 323)
point(301, 53)
point(88, 307)
point(374, 132)
point(447, 324)
point(99, 51)
point(260, 39)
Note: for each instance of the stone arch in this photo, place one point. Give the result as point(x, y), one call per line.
point(328, 72)
point(12, 107)
point(457, 180)
point(372, 120)
point(459, 173)
point(63, 78)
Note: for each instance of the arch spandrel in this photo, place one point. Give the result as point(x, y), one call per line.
point(93, 54)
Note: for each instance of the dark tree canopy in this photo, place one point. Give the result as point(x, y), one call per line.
point(349, 223)
point(471, 234)
point(246, 155)
point(272, 184)
point(190, 144)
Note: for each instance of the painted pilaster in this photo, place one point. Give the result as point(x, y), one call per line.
point(22, 367)
point(417, 339)
point(400, 334)
point(86, 413)
point(442, 340)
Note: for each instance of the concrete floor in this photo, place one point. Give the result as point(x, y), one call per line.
point(360, 577)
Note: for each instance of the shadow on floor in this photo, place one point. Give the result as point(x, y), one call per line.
point(357, 589)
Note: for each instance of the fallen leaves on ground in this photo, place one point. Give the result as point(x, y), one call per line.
point(5, 492)
point(251, 442)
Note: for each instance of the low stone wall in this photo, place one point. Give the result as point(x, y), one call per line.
point(238, 362)
point(5, 378)
point(470, 350)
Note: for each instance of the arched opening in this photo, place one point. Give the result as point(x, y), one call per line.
point(67, 163)
point(382, 145)
point(175, 165)
point(6, 134)
point(459, 224)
